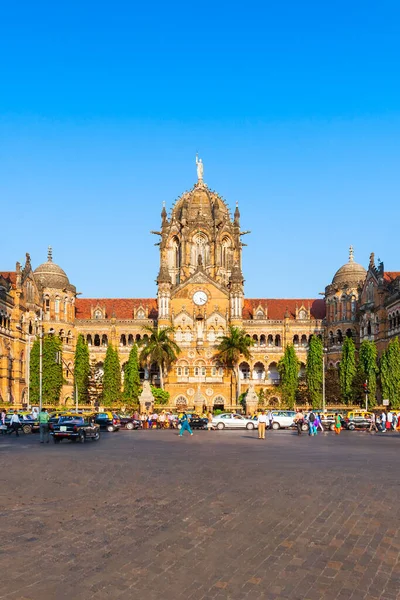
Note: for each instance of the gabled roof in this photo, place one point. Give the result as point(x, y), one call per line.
point(121, 308)
point(10, 276)
point(277, 307)
point(390, 276)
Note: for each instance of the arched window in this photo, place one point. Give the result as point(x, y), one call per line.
point(244, 370)
point(353, 307)
point(130, 339)
point(259, 371)
point(89, 339)
point(302, 314)
point(178, 335)
point(97, 340)
point(369, 329)
point(137, 337)
point(46, 304)
point(344, 308)
point(273, 373)
point(296, 340)
point(211, 335)
point(304, 340)
point(188, 335)
point(98, 314)
point(69, 338)
point(331, 339)
point(122, 340)
point(255, 340)
point(104, 340)
point(270, 341)
point(339, 336)
point(140, 314)
point(181, 403)
point(278, 341)
point(179, 371)
point(263, 341)
point(200, 249)
point(225, 253)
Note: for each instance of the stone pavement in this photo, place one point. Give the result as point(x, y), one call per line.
point(220, 515)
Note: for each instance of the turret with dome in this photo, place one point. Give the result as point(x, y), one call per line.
point(57, 292)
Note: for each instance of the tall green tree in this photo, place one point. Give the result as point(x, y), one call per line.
point(390, 373)
point(314, 370)
point(347, 369)
point(289, 367)
point(367, 364)
point(231, 349)
point(111, 377)
point(159, 348)
point(82, 370)
point(52, 378)
point(131, 376)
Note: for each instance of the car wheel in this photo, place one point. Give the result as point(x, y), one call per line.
point(250, 426)
point(304, 427)
point(332, 427)
point(220, 426)
point(27, 429)
point(110, 428)
point(275, 425)
point(129, 426)
point(82, 438)
point(351, 427)
point(96, 437)
point(56, 440)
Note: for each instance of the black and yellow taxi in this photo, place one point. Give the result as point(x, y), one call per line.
point(357, 419)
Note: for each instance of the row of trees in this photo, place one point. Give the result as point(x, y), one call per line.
point(345, 385)
point(157, 349)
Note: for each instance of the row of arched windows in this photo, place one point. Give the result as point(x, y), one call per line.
point(343, 309)
point(199, 371)
point(97, 339)
point(266, 340)
point(129, 340)
point(63, 308)
point(337, 338)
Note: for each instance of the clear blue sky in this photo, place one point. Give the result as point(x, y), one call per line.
point(293, 106)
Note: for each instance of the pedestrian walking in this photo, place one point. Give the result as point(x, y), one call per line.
point(3, 416)
point(299, 421)
point(383, 421)
point(209, 420)
point(15, 423)
point(185, 425)
point(311, 424)
point(338, 424)
point(389, 421)
point(270, 418)
point(262, 424)
point(44, 426)
point(373, 423)
point(319, 422)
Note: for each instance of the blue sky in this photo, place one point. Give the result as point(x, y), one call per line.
point(294, 108)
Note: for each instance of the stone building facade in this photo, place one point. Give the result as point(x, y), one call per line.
point(200, 292)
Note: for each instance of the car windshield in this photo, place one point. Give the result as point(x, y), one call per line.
point(76, 420)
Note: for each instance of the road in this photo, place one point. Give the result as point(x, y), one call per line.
point(146, 514)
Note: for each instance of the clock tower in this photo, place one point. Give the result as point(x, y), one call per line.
point(200, 288)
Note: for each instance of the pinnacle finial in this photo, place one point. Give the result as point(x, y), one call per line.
point(351, 254)
point(50, 254)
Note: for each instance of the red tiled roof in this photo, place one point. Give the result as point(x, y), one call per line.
point(121, 308)
point(277, 307)
point(390, 276)
point(10, 276)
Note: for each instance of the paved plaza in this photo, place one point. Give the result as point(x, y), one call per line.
point(222, 515)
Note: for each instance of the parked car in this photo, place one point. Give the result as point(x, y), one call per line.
point(28, 423)
point(128, 422)
point(357, 419)
point(75, 428)
point(108, 420)
point(197, 422)
point(284, 419)
point(233, 421)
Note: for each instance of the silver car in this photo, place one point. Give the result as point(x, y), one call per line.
point(233, 421)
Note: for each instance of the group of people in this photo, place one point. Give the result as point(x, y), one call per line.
point(14, 424)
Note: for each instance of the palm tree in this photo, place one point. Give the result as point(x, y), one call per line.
point(159, 348)
point(231, 348)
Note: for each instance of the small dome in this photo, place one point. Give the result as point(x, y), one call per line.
point(51, 275)
point(351, 272)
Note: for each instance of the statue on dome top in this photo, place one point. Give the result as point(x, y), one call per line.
point(200, 169)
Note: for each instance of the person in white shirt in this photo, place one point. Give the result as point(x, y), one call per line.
point(262, 422)
point(15, 423)
point(389, 420)
point(373, 422)
point(270, 418)
point(383, 421)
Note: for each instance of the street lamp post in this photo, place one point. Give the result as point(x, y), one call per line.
point(40, 321)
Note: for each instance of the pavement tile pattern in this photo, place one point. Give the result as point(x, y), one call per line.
point(220, 515)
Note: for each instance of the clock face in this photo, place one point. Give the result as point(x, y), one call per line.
point(200, 298)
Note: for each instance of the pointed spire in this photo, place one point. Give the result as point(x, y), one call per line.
point(237, 214)
point(163, 275)
point(351, 254)
point(49, 254)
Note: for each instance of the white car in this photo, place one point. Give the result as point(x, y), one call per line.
point(285, 418)
point(233, 421)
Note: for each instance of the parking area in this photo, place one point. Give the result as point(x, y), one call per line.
point(221, 514)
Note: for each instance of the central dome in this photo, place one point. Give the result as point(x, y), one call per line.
point(351, 272)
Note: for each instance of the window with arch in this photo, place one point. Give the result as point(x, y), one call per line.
point(259, 371)
point(344, 308)
point(179, 371)
point(200, 249)
point(302, 314)
point(181, 403)
point(140, 314)
point(122, 340)
point(89, 339)
point(353, 307)
point(244, 370)
point(47, 304)
point(225, 253)
point(98, 314)
point(263, 341)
